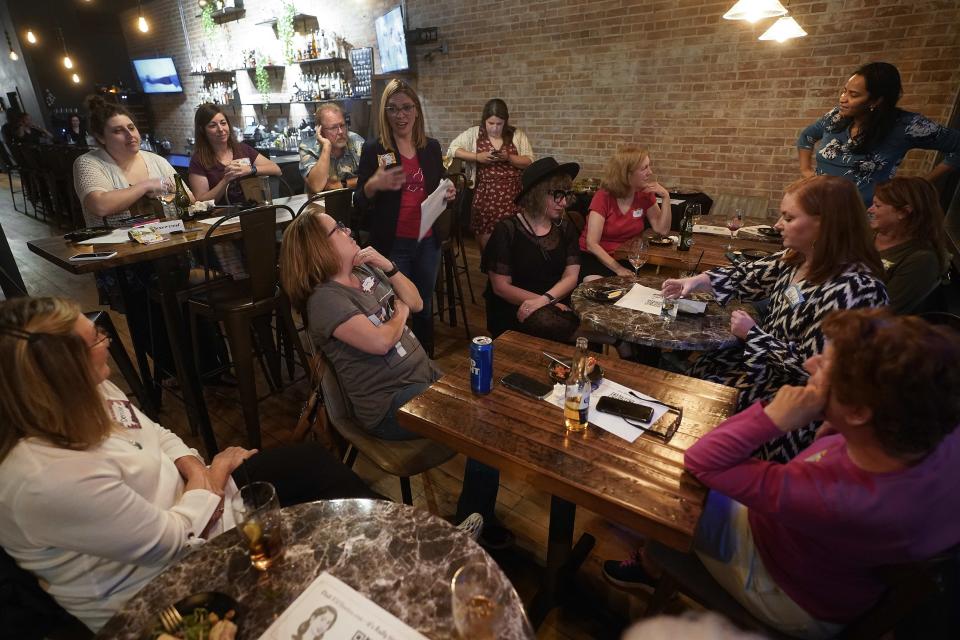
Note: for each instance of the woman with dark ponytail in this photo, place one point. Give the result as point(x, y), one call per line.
point(865, 137)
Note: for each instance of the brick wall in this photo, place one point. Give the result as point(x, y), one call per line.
point(718, 109)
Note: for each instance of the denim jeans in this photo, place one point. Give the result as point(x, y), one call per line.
point(479, 494)
point(420, 262)
point(389, 428)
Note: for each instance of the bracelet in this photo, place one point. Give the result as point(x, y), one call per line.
point(550, 297)
point(392, 271)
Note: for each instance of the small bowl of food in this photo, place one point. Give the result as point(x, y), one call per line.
point(558, 372)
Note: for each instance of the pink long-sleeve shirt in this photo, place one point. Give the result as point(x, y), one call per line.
point(822, 525)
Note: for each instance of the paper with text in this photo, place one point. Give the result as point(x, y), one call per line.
point(433, 206)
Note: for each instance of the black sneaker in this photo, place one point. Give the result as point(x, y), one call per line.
point(628, 573)
point(495, 536)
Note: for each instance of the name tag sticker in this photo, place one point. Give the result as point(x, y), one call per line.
point(122, 412)
point(794, 295)
point(638, 213)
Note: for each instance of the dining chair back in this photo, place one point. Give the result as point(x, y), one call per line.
point(338, 204)
point(401, 458)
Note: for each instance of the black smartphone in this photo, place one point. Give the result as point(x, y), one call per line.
point(97, 255)
point(526, 385)
point(629, 410)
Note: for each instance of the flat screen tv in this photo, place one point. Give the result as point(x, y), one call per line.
point(391, 42)
point(158, 75)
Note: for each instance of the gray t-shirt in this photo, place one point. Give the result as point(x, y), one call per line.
point(370, 381)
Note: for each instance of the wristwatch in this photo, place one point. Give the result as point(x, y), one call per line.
point(253, 170)
point(392, 271)
point(550, 297)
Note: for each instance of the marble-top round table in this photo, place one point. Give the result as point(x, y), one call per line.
point(399, 557)
point(686, 333)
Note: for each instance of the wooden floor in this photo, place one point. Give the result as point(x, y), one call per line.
point(602, 613)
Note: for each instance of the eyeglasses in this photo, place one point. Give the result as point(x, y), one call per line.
point(336, 127)
point(102, 336)
point(393, 111)
point(559, 195)
point(340, 227)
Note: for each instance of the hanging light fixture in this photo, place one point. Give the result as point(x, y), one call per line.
point(75, 78)
point(31, 37)
point(782, 30)
point(67, 62)
point(13, 54)
point(753, 10)
point(141, 21)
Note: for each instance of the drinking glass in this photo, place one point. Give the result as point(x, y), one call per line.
point(166, 194)
point(447, 162)
point(479, 599)
point(638, 255)
point(256, 512)
point(734, 225)
point(696, 213)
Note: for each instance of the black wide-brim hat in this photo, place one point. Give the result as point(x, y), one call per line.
point(540, 170)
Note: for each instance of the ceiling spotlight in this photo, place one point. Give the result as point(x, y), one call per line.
point(75, 78)
point(141, 21)
point(31, 38)
point(13, 55)
point(67, 62)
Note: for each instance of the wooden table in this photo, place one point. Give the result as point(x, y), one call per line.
point(399, 557)
point(685, 333)
point(163, 257)
point(714, 250)
point(642, 485)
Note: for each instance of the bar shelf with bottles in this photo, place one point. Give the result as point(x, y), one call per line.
point(224, 10)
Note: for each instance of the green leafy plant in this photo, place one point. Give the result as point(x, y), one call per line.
point(206, 20)
point(285, 31)
point(262, 79)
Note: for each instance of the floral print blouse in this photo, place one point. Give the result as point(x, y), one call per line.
point(866, 170)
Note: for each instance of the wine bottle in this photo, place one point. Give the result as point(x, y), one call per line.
point(180, 198)
point(686, 231)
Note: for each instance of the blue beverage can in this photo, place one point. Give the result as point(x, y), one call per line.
point(481, 364)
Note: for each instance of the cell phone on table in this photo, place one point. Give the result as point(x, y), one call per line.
point(629, 410)
point(96, 255)
point(526, 385)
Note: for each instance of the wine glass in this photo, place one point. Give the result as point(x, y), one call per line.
point(734, 224)
point(479, 599)
point(165, 195)
point(638, 255)
point(696, 213)
point(447, 162)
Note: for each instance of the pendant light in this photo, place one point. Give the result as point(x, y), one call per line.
point(31, 36)
point(783, 29)
point(67, 62)
point(753, 10)
point(75, 78)
point(13, 54)
point(141, 21)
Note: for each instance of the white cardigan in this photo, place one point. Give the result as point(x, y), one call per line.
point(96, 526)
point(468, 142)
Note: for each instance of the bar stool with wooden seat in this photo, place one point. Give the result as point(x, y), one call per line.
point(401, 458)
point(246, 305)
point(449, 289)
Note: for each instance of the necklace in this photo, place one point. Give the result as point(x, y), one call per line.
point(529, 229)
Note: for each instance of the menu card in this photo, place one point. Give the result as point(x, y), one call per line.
point(331, 610)
point(649, 300)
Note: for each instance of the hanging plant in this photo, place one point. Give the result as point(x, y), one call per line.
point(206, 20)
point(262, 79)
point(285, 31)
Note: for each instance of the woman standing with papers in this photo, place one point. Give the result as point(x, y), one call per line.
point(397, 172)
point(829, 263)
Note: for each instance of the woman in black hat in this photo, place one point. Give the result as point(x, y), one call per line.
point(533, 258)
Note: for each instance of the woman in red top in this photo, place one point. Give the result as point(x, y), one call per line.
point(622, 208)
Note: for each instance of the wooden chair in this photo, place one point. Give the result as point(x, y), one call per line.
point(401, 458)
point(449, 288)
point(909, 586)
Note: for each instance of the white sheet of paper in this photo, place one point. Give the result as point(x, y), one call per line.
point(282, 216)
point(641, 298)
point(711, 230)
point(672, 201)
point(356, 616)
point(117, 236)
point(432, 207)
point(614, 424)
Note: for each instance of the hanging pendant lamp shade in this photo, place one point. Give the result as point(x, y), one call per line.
point(753, 10)
point(782, 30)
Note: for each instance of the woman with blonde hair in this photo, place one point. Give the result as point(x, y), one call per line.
point(95, 497)
point(622, 208)
point(828, 263)
point(908, 222)
point(397, 172)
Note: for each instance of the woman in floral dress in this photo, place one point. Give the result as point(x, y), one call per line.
point(828, 263)
point(866, 136)
point(496, 155)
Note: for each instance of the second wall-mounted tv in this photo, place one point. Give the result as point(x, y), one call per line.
point(158, 75)
point(391, 42)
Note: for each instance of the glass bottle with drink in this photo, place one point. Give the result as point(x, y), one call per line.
point(686, 231)
point(576, 403)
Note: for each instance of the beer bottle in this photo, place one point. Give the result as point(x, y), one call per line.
point(686, 231)
point(181, 200)
point(576, 403)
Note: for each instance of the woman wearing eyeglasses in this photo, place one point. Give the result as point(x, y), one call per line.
point(96, 499)
point(622, 208)
point(397, 172)
point(532, 258)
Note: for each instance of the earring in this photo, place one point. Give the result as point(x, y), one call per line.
point(873, 108)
